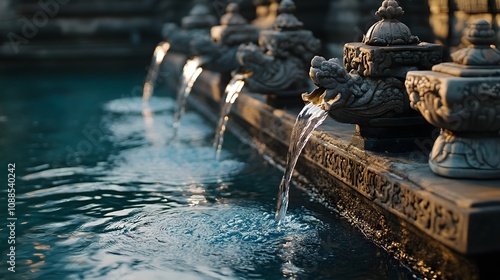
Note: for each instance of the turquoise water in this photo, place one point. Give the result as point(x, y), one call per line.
point(102, 193)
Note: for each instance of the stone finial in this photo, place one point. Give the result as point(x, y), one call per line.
point(286, 19)
point(199, 17)
point(390, 10)
point(481, 51)
point(232, 16)
point(389, 30)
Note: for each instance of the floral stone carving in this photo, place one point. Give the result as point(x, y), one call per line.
point(463, 99)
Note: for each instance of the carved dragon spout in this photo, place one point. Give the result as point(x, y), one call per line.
point(352, 98)
point(270, 74)
point(214, 57)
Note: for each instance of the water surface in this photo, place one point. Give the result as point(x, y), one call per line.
point(103, 194)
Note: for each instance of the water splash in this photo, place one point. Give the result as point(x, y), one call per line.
point(307, 121)
point(231, 93)
point(190, 72)
point(158, 56)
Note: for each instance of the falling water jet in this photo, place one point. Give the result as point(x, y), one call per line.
point(190, 73)
point(231, 93)
point(159, 54)
point(311, 116)
point(151, 133)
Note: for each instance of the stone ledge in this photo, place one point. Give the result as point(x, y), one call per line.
point(422, 218)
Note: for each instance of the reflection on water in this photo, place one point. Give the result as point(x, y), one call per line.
point(190, 73)
point(136, 206)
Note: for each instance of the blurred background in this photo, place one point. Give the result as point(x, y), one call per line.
point(55, 30)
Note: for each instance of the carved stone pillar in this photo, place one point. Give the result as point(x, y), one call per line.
point(279, 64)
point(218, 53)
point(463, 99)
point(370, 91)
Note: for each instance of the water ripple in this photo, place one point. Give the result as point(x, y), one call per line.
point(219, 242)
point(171, 165)
point(135, 105)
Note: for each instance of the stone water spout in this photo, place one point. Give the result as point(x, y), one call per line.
point(218, 53)
point(195, 25)
point(463, 99)
point(279, 63)
point(367, 87)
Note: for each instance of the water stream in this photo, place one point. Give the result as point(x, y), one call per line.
point(307, 121)
point(231, 93)
point(154, 68)
point(190, 73)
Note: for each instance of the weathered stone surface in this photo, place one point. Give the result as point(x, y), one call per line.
point(369, 91)
point(389, 30)
point(390, 61)
point(463, 98)
point(468, 109)
point(218, 53)
point(351, 98)
point(279, 64)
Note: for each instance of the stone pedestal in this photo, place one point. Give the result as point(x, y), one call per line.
point(468, 111)
point(463, 99)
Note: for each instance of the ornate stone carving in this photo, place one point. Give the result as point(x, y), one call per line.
point(474, 110)
point(433, 217)
point(370, 91)
point(218, 53)
point(467, 152)
point(389, 31)
point(280, 63)
point(270, 75)
point(376, 61)
point(350, 97)
point(464, 100)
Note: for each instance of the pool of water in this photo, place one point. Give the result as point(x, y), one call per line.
point(104, 192)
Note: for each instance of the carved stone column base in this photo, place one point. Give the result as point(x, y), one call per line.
point(464, 156)
point(392, 139)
